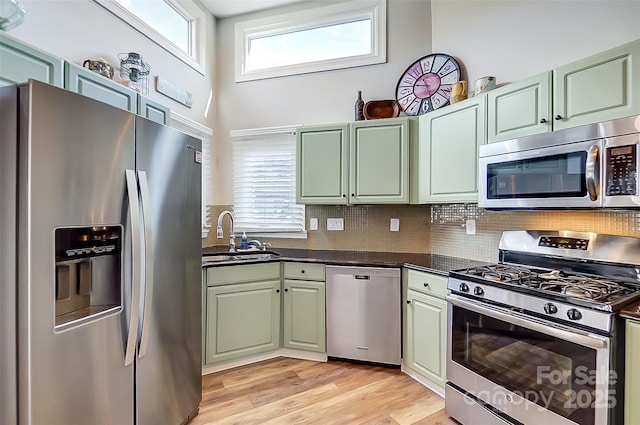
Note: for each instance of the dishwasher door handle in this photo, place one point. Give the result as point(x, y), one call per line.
point(362, 277)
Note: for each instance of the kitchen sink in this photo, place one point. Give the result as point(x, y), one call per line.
point(238, 256)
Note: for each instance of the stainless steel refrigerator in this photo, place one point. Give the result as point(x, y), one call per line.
point(100, 262)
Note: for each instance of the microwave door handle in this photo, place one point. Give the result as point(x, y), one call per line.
point(592, 172)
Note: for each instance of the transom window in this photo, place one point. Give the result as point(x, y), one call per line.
point(177, 27)
point(332, 37)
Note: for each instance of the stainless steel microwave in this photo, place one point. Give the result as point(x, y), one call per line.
point(592, 166)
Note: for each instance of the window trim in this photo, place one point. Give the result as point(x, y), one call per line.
point(338, 13)
point(190, 10)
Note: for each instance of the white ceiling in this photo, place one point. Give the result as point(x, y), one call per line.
point(226, 8)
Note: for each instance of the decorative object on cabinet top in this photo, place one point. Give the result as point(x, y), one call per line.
point(134, 72)
point(11, 14)
point(100, 65)
point(483, 85)
point(426, 84)
point(375, 109)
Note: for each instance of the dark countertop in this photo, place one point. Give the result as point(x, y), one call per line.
point(433, 263)
point(632, 311)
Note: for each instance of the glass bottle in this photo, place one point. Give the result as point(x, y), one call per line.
point(359, 107)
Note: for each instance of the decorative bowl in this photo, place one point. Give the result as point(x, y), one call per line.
point(375, 109)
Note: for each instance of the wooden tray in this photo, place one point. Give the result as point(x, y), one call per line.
point(375, 109)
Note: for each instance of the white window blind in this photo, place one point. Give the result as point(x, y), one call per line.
point(264, 182)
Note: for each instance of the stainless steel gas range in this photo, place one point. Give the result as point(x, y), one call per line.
point(535, 338)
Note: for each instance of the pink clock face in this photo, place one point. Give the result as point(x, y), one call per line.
point(426, 85)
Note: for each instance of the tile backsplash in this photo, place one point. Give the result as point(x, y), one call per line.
point(437, 229)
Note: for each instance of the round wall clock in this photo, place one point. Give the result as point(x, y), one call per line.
point(426, 85)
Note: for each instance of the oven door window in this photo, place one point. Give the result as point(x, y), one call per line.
point(556, 176)
point(551, 372)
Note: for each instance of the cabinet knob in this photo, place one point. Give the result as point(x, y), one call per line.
point(286, 289)
point(558, 117)
point(408, 301)
point(277, 291)
point(302, 271)
point(426, 285)
point(353, 194)
point(344, 196)
point(543, 120)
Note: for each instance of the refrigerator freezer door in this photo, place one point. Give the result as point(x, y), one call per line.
point(73, 153)
point(168, 373)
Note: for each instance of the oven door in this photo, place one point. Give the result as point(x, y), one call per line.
point(561, 176)
point(534, 371)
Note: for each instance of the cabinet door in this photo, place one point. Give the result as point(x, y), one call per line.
point(598, 88)
point(632, 374)
point(242, 319)
point(426, 336)
point(153, 110)
point(379, 162)
point(19, 62)
point(520, 109)
point(304, 315)
point(321, 172)
point(95, 86)
point(448, 152)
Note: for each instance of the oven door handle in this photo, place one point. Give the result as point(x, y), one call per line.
point(577, 336)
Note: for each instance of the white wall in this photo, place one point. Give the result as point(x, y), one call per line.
point(76, 30)
point(510, 40)
point(516, 39)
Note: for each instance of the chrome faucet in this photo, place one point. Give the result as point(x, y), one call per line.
point(220, 233)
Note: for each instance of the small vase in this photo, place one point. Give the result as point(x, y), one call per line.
point(359, 107)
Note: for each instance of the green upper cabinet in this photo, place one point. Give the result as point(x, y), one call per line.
point(20, 61)
point(363, 162)
point(153, 110)
point(94, 85)
point(379, 161)
point(322, 164)
point(598, 88)
point(520, 109)
point(445, 160)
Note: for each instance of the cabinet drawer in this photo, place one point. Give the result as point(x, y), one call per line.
point(225, 275)
point(304, 271)
point(427, 283)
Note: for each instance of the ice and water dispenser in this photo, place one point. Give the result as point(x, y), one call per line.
point(88, 272)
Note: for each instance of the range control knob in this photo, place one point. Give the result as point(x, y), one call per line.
point(574, 314)
point(478, 291)
point(464, 287)
point(550, 308)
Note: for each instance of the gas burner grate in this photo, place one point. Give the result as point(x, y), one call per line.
point(502, 273)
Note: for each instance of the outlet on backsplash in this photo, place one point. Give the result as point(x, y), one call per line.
point(335, 224)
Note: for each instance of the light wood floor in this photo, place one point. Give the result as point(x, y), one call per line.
point(291, 391)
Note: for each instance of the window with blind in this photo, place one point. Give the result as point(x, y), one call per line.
point(264, 183)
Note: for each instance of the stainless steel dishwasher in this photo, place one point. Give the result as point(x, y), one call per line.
point(363, 314)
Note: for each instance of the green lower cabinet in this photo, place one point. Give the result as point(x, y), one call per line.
point(242, 319)
point(426, 336)
point(304, 315)
point(632, 374)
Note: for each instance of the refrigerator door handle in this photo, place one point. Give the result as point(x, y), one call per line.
point(148, 237)
point(136, 250)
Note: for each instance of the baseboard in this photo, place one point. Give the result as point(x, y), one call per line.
point(282, 352)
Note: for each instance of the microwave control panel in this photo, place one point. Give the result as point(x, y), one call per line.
point(621, 170)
